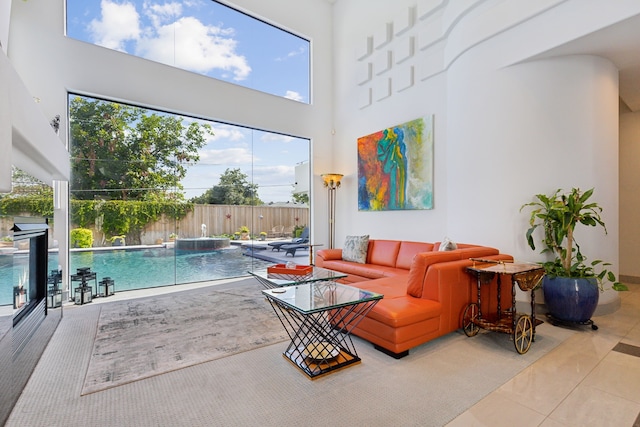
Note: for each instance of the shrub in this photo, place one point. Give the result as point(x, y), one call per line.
point(81, 238)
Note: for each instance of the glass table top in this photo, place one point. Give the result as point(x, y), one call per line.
point(320, 296)
point(317, 274)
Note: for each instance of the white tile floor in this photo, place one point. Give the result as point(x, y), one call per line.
point(583, 382)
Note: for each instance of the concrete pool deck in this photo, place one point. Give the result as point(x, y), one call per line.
point(260, 249)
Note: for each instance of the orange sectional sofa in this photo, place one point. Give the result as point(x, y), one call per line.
point(425, 290)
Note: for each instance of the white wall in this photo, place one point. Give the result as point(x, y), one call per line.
point(629, 195)
point(5, 13)
point(352, 27)
point(505, 129)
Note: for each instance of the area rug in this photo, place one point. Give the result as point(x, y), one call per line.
point(140, 338)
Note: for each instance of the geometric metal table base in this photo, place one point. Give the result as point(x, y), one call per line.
point(320, 337)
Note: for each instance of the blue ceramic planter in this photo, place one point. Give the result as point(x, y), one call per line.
point(570, 299)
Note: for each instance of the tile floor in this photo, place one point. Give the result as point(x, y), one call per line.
point(592, 379)
point(589, 380)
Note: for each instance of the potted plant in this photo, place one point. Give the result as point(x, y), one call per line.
point(244, 232)
point(263, 235)
point(571, 285)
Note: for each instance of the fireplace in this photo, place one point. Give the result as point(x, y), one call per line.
point(27, 328)
point(30, 287)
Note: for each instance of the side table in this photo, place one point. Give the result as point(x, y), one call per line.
point(319, 317)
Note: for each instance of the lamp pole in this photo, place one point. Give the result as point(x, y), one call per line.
point(332, 182)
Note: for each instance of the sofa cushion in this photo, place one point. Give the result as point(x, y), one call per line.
point(403, 311)
point(390, 287)
point(369, 271)
point(383, 252)
point(355, 249)
point(408, 250)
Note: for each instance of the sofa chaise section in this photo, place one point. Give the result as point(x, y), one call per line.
point(423, 299)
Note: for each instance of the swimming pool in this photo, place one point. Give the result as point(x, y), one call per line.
point(141, 268)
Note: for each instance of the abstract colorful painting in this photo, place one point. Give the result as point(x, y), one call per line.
point(395, 167)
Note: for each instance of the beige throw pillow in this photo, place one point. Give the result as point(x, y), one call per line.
point(448, 245)
point(355, 249)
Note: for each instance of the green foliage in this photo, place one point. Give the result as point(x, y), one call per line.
point(234, 188)
point(35, 204)
point(558, 215)
point(302, 198)
point(127, 152)
point(297, 230)
point(121, 217)
point(29, 195)
point(244, 229)
point(81, 238)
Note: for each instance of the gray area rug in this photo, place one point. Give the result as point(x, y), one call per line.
point(140, 338)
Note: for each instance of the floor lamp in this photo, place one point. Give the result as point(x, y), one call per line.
point(332, 182)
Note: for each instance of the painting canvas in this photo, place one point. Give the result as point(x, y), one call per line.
point(395, 167)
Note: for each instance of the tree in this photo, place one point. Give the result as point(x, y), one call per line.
point(302, 198)
point(128, 153)
point(233, 189)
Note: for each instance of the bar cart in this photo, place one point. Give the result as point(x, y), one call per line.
point(521, 326)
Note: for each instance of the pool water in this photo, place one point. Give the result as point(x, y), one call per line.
point(140, 268)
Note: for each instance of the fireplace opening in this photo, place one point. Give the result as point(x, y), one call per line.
point(30, 285)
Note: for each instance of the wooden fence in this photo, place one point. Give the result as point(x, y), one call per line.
point(227, 219)
point(219, 219)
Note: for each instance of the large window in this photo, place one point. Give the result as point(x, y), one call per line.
point(202, 36)
point(147, 180)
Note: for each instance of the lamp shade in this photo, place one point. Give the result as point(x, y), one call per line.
point(331, 180)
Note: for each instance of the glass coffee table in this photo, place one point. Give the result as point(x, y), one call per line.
point(319, 317)
point(277, 280)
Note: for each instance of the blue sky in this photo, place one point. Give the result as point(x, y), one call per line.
point(208, 38)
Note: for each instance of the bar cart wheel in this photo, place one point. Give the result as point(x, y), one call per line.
point(523, 334)
point(469, 319)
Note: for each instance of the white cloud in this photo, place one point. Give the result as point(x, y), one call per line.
point(162, 13)
point(276, 137)
point(276, 182)
point(191, 45)
point(293, 95)
point(119, 23)
point(228, 156)
point(300, 51)
point(170, 38)
point(227, 133)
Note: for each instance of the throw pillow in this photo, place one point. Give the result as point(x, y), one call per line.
point(448, 245)
point(355, 249)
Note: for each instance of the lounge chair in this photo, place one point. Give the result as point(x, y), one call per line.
point(304, 238)
point(293, 247)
